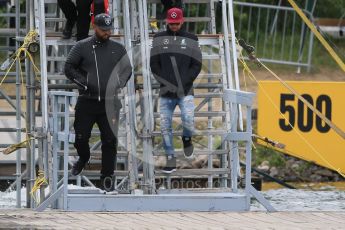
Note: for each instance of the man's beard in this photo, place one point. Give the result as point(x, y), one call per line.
point(102, 39)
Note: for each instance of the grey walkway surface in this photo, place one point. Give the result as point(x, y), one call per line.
point(27, 219)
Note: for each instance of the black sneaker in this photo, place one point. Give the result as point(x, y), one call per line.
point(67, 31)
point(107, 183)
point(77, 167)
point(188, 147)
point(171, 165)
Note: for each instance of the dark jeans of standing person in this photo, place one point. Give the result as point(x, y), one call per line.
point(80, 14)
point(87, 113)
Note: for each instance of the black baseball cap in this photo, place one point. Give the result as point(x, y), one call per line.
point(104, 21)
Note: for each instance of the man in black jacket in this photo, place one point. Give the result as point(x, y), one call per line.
point(176, 63)
point(97, 64)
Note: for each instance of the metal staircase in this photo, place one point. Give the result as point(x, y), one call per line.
point(220, 104)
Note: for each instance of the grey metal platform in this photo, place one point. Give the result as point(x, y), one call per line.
point(159, 203)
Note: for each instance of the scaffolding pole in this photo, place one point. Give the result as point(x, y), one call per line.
point(18, 113)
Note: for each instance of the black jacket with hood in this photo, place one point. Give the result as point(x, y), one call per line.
point(92, 63)
point(176, 61)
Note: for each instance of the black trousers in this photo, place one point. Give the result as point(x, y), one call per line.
point(87, 113)
point(79, 13)
point(168, 4)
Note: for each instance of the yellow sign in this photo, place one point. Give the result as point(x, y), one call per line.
point(284, 118)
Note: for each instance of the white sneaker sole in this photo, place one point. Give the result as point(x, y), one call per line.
point(168, 172)
point(189, 157)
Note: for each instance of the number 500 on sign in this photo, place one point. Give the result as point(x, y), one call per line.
point(284, 118)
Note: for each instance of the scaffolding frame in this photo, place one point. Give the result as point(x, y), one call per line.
point(233, 98)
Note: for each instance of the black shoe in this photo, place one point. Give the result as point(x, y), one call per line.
point(77, 167)
point(168, 170)
point(67, 31)
point(188, 147)
point(171, 165)
point(107, 183)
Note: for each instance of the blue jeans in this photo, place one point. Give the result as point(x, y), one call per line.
point(167, 107)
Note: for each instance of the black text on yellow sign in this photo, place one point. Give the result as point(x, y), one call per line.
point(304, 134)
point(304, 118)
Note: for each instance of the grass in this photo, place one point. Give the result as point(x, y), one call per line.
point(321, 57)
point(262, 153)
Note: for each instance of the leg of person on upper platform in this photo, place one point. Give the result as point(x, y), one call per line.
point(76, 13)
point(83, 19)
point(70, 12)
point(167, 5)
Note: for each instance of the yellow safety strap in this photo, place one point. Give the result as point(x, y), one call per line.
point(16, 56)
point(40, 180)
point(318, 35)
point(154, 25)
point(14, 147)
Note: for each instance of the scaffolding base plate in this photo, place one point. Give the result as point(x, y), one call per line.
point(204, 202)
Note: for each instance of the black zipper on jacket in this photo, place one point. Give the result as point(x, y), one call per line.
point(96, 63)
point(79, 83)
point(87, 83)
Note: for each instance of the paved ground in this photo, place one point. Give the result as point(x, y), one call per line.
point(27, 219)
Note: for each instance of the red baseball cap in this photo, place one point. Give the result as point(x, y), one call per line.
point(174, 15)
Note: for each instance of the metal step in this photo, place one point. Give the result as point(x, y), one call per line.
point(55, 19)
point(98, 134)
point(95, 173)
point(62, 58)
point(196, 85)
point(196, 133)
point(184, 1)
point(197, 152)
point(193, 190)
point(194, 172)
point(55, 39)
point(85, 190)
point(200, 76)
point(210, 57)
point(94, 153)
point(210, 75)
point(186, 19)
point(56, 58)
point(72, 114)
point(209, 95)
point(10, 32)
point(11, 130)
point(8, 113)
point(198, 114)
point(50, 1)
point(56, 77)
